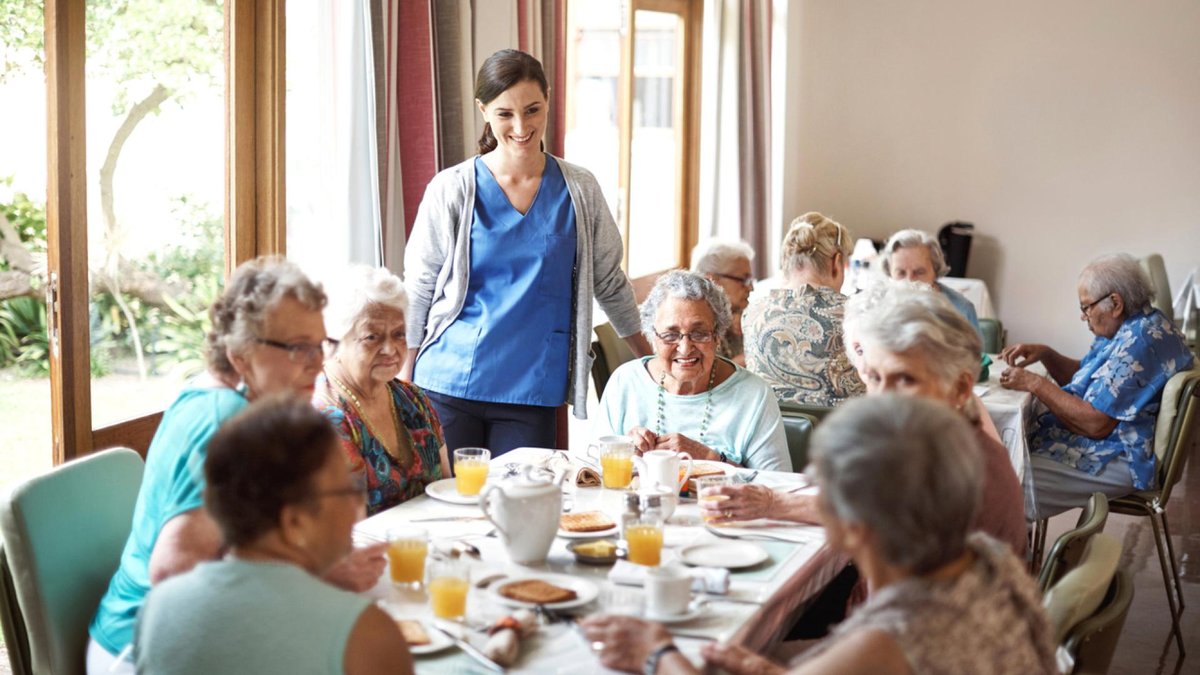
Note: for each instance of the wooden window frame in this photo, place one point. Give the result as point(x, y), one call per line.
point(255, 48)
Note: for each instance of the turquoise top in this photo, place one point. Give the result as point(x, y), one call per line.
point(238, 616)
point(963, 305)
point(744, 424)
point(173, 484)
point(511, 341)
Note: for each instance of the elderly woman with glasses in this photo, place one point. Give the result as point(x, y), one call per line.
point(236, 614)
point(685, 397)
point(913, 255)
point(726, 263)
point(266, 339)
point(388, 428)
point(898, 494)
point(794, 335)
point(1096, 433)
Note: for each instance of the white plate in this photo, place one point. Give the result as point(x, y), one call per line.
point(726, 468)
point(598, 534)
point(437, 641)
point(694, 610)
point(585, 591)
point(446, 491)
point(725, 553)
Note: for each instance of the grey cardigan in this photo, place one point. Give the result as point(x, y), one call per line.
point(437, 262)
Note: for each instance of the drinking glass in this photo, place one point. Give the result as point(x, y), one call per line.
point(644, 539)
point(616, 468)
point(471, 470)
point(704, 491)
point(407, 547)
point(448, 585)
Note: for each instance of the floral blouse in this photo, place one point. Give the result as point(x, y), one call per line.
point(388, 484)
point(793, 340)
point(1122, 377)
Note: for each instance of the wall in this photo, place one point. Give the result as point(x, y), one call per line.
point(1062, 129)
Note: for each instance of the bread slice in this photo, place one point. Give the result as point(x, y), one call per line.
point(585, 521)
point(699, 470)
point(414, 632)
point(537, 592)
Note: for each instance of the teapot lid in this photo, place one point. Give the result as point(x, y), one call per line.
point(531, 480)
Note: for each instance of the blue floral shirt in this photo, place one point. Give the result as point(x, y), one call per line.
point(1122, 377)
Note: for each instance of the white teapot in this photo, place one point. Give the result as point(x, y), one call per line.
point(661, 468)
point(525, 510)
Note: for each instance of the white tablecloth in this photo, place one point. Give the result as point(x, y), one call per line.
point(1012, 412)
point(797, 572)
point(976, 291)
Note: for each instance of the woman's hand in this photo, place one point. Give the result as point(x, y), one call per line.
point(626, 641)
point(644, 440)
point(1018, 379)
point(746, 502)
point(1021, 355)
point(738, 660)
point(360, 569)
point(681, 443)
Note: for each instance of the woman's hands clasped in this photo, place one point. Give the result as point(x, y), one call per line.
point(645, 440)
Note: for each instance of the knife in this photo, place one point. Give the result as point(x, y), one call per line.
point(470, 650)
point(435, 519)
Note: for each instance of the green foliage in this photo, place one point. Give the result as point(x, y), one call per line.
point(24, 336)
point(27, 216)
point(21, 36)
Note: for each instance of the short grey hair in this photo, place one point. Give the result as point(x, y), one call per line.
point(357, 289)
point(813, 240)
point(254, 289)
point(907, 468)
point(913, 316)
point(715, 255)
point(1122, 274)
point(685, 285)
point(912, 239)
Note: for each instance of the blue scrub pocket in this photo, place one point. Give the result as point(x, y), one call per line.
point(553, 366)
point(556, 279)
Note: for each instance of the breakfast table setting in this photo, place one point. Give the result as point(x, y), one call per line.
point(495, 581)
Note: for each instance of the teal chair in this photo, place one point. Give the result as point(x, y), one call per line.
point(993, 335)
point(63, 533)
point(798, 427)
point(817, 412)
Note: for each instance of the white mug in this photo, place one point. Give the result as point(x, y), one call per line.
point(668, 591)
point(661, 468)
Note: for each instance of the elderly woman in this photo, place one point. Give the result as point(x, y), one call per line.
point(685, 397)
point(915, 343)
point(726, 263)
point(388, 428)
point(913, 255)
point(1097, 431)
point(266, 339)
point(898, 494)
point(282, 534)
point(794, 336)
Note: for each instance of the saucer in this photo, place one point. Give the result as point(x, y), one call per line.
point(695, 610)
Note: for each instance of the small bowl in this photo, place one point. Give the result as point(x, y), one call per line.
point(582, 553)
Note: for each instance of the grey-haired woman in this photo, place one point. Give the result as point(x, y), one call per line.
point(685, 397)
point(913, 255)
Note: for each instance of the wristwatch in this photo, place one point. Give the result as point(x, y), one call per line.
point(651, 665)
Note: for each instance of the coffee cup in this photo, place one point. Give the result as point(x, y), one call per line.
point(668, 591)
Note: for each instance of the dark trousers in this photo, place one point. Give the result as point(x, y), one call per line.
point(499, 427)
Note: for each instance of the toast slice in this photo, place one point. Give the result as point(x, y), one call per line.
point(414, 633)
point(585, 521)
point(537, 592)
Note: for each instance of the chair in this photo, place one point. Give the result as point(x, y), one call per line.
point(611, 353)
point(1068, 550)
point(1081, 591)
point(1174, 435)
point(817, 412)
point(1156, 270)
point(798, 427)
point(993, 335)
point(1093, 641)
point(63, 533)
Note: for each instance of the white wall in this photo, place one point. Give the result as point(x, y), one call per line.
point(1063, 129)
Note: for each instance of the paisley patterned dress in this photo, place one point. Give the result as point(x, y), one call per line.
point(388, 482)
point(793, 340)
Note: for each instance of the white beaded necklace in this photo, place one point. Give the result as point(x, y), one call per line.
point(658, 422)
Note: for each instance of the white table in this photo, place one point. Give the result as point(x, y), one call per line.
point(974, 290)
point(1012, 412)
point(770, 595)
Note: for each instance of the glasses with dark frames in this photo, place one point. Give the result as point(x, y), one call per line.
point(1084, 309)
point(747, 281)
point(300, 352)
point(675, 337)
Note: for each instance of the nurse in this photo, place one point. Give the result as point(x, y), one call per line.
point(508, 250)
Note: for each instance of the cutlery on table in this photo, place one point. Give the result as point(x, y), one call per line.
point(448, 519)
point(468, 648)
point(758, 534)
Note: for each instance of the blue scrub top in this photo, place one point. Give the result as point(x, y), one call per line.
point(511, 341)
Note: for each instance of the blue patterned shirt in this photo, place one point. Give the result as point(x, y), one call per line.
point(1122, 377)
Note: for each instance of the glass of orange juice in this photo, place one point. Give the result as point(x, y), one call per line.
point(616, 467)
point(705, 486)
point(407, 548)
point(448, 585)
point(644, 539)
point(471, 470)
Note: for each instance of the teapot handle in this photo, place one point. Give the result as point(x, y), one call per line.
point(485, 502)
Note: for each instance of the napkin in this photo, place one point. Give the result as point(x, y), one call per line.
point(577, 472)
point(713, 580)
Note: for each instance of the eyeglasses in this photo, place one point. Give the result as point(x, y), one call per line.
point(356, 489)
point(747, 281)
point(1084, 309)
point(305, 352)
point(698, 336)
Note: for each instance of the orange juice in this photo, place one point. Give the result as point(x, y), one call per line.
point(406, 559)
point(470, 475)
point(710, 499)
point(616, 469)
point(645, 543)
point(448, 595)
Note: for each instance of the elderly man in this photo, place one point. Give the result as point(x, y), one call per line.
point(726, 262)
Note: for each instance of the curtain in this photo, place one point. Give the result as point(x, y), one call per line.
point(735, 130)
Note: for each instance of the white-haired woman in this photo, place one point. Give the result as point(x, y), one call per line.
point(1097, 432)
point(388, 428)
point(898, 494)
point(794, 335)
point(913, 255)
point(726, 263)
point(685, 397)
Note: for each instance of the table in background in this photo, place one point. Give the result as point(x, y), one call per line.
point(974, 290)
point(796, 573)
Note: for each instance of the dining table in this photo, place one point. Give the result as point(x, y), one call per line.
point(1013, 413)
point(757, 609)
